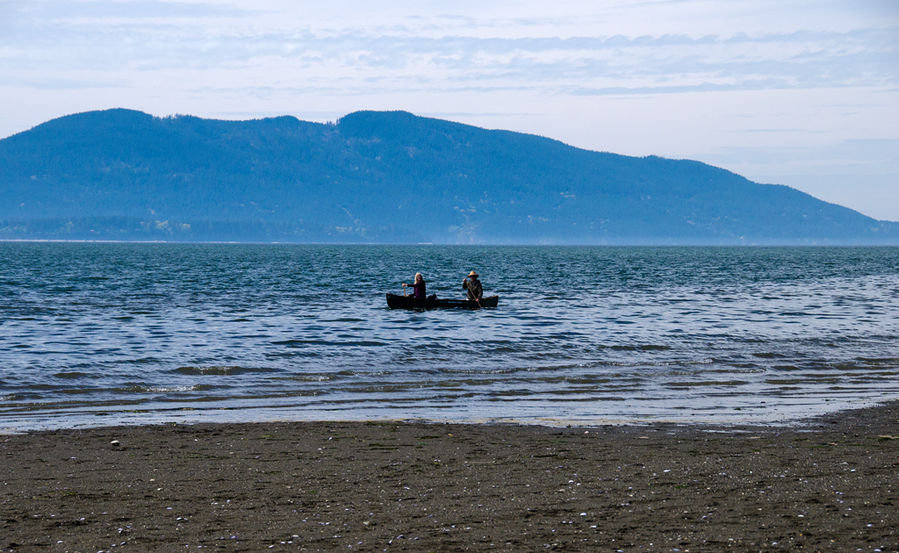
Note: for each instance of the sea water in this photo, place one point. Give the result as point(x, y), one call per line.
point(101, 334)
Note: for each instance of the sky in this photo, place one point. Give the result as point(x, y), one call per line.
point(797, 92)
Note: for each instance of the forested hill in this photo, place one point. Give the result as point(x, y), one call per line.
point(381, 177)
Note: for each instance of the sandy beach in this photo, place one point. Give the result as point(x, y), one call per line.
point(829, 485)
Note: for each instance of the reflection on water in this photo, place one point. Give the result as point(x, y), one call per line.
point(123, 333)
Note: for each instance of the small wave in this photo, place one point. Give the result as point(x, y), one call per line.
point(644, 347)
point(144, 389)
point(751, 366)
point(503, 349)
point(78, 391)
point(169, 389)
point(308, 377)
point(300, 343)
point(767, 355)
point(784, 381)
point(144, 361)
point(865, 366)
point(73, 375)
point(222, 371)
point(705, 384)
point(878, 360)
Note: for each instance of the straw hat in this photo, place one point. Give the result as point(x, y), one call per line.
point(473, 274)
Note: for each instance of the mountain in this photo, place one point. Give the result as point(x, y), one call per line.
point(382, 177)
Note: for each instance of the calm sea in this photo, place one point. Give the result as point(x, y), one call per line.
point(101, 334)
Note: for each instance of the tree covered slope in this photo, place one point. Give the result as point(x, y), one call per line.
point(381, 177)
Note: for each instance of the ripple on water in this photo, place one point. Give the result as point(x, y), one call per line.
point(657, 331)
point(223, 371)
point(71, 375)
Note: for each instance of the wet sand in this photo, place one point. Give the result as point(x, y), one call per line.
point(829, 485)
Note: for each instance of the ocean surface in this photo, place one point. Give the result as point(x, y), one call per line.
point(101, 334)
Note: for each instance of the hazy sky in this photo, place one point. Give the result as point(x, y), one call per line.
point(795, 92)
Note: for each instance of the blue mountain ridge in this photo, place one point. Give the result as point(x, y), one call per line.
point(382, 177)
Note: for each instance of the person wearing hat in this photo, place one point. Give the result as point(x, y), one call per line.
point(473, 286)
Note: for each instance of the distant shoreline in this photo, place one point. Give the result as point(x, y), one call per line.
point(442, 245)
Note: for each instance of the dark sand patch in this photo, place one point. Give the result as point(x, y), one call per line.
point(830, 486)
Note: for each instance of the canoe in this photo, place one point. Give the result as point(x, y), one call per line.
point(408, 302)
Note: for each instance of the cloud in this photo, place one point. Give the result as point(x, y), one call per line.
point(99, 11)
point(437, 50)
point(581, 65)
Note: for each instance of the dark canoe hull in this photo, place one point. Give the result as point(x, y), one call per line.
point(408, 302)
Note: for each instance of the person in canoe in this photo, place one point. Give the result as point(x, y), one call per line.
point(418, 288)
point(473, 286)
